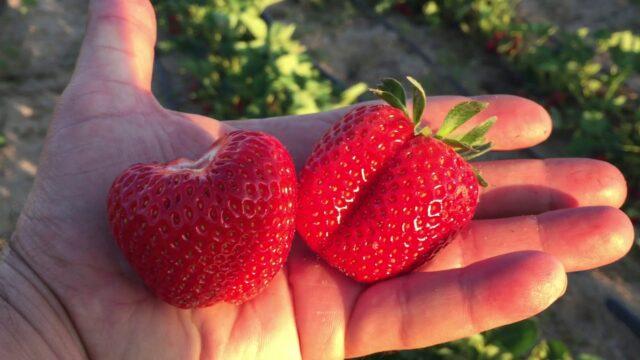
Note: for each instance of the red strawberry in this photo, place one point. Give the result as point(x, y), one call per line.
point(215, 229)
point(380, 194)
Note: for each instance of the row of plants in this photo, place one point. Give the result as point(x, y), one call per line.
point(583, 77)
point(240, 66)
point(521, 340)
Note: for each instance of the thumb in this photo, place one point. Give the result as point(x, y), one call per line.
point(117, 50)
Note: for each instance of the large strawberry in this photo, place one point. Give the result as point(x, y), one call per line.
point(215, 229)
point(381, 194)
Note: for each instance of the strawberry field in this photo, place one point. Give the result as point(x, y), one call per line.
point(259, 58)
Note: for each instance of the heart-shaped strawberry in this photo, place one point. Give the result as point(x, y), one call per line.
point(381, 194)
point(215, 229)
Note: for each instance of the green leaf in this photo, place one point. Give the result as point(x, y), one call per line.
point(393, 86)
point(481, 180)
point(539, 352)
point(559, 351)
point(478, 151)
point(476, 135)
point(588, 357)
point(458, 144)
point(518, 339)
point(255, 24)
point(459, 115)
point(419, 98)
point(422, 129)
point(390, 99)
point(350, 95)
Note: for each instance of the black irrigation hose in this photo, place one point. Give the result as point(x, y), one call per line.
point(622, 313)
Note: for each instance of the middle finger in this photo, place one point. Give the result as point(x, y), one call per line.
point(524, 187)
point(582, 238)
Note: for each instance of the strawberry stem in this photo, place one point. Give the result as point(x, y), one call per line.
point(469, 145)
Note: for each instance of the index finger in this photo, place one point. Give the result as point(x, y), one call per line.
point(521, 123)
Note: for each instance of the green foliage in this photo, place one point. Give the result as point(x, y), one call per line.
point(240, 65)
point(516, 341)
point(581, 76)
point(26, 5)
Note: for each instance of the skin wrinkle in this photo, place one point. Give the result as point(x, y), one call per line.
point(62, 312)
point(128, 53)
point(540, 232)
point(12, 315)
point(30, 282)
point(465, 286)
point(185, 318)
point(545, 177)
point(262, 336)
point(235, 325)
point(471, 240)
point(403, 299)
point(20, 311)
point(328, 341)
point(201, 346)
point(124, 51)
point(294, 309)
point(165, 153)
point(143, 29)
point(69, 104)
point(132, 8)
point(350, 319)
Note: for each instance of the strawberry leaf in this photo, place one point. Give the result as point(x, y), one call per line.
point(481, 180)
point(476, 135)
point(419, 98)
point(422, 129)
point(391, 99)
point(459, 115)
point(394, 87)
point(459, 144)
point(477, 151)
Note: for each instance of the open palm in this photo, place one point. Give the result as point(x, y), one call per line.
point(489, 276)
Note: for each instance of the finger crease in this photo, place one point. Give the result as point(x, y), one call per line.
point(466, 255)
point(539, 233)
point(467, 294)
point(142, 28)
point(402, 298)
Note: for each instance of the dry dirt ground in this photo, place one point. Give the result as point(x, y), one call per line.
point(38, 49)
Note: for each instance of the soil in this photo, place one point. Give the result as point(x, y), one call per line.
point(573, 14)
point(38, 48)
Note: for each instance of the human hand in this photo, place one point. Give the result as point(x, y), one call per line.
point(66, 290)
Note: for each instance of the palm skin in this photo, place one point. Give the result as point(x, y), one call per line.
point(108, 119)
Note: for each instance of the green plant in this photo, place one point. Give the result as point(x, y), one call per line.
point(516, 341)
point(241, 66)
point(581, 76)
point(26, 5)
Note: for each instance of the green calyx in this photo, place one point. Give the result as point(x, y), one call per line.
point(469, 145)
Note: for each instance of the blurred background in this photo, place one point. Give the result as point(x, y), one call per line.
point(254, 58)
